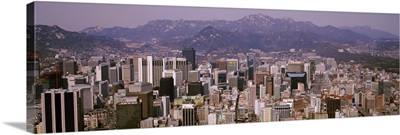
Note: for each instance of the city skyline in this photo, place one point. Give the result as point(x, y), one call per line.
point(117, 15)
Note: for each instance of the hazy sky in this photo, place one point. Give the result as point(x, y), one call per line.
point(77, 16)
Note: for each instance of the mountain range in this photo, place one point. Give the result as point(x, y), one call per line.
point(253, 31)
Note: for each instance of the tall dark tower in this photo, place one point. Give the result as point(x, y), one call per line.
point(167, 87)
point(190, 55)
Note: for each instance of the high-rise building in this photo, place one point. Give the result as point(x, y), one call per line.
point(37, 90)
point(316, 102)
point(190, 55)
point(189, 113)
point(167, 87)
point(129, 113)
point(140, 87)
point(193, 76)
point(266, 114)
point(250, 73)
point(333, 104)
point(158, 68)
point(259, 77)
point(195, 88)
point(295, 78)
point(61, 111)
point(176, 74)
point(297, 67)
point(384, 88)
point(283, 110)
point(147, 102)
point(222, 64)
point(102, 72)
point(220, 77)
point(307, 69)
point(70, 67)
point(104, 88)
point(166, 105)
point(114, 76)
point(253, 95)
point(181, 64)
point(269, 84)
point(127, 71)
point(232, 65)
point(86, 94)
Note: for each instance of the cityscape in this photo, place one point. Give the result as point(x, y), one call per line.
point(172, 73)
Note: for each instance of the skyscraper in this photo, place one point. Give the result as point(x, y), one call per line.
point(127, 73)
point(222, 64)
point(61, 111)
point(70, 67)
point(158, 68)
point(189, 113)
point(176, 74)
point(296, 67)
point(146, 97)
point(232, 65)
point(333, 104)
point(102, 72)
point(190, 55)
point(167, 87)
point(259, 77)
point(195, 88)
point(266, 114)
point(86, 95)
point(166, 105)
point(193, 76)
point(129, 113)
point(114, 76)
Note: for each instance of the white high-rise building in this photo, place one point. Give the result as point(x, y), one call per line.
point(307, 69)
point(127, 73)
point(166, 105)
point(102, 72)
point(150, 69)
point(316, 102)
point(274, 70)
point(176, 74)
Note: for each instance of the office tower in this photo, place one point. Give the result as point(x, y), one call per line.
point(158, 108)
point(139, 87)
point(266, 114)
point(103, 88)
point(241, 84)
point(190, 55)
point(86, 94)
point(296, 67)
point(193, 76)
point(274, 70)
point(250, 73)
point(181, 64)
point(283, 110)
point(222, 64)
point(233, 81)
point(380, 102)
point(102, 72)
point(295, 78)
point(143, 70)
point(37, 90)
point(127, 71)
point(369, 103)
point(384, 88)
point(220, 77)
point(167, 87)
point(135, 68)
point(93, 63)
point(195, 88)
point(128, 113)
point(333, 104)
point(253, 95)
point(269, 84)
point(277, 91)
point(114, 75)
point(158, 68)
point(166, 105)
point(259, 77)
point(70, 67)
point(176, 74)
point(119, 71)
point(188, 113)
point(147, 101)
point(61, 111)
point(232, 65)
point(206, 88)
point(307, 70)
